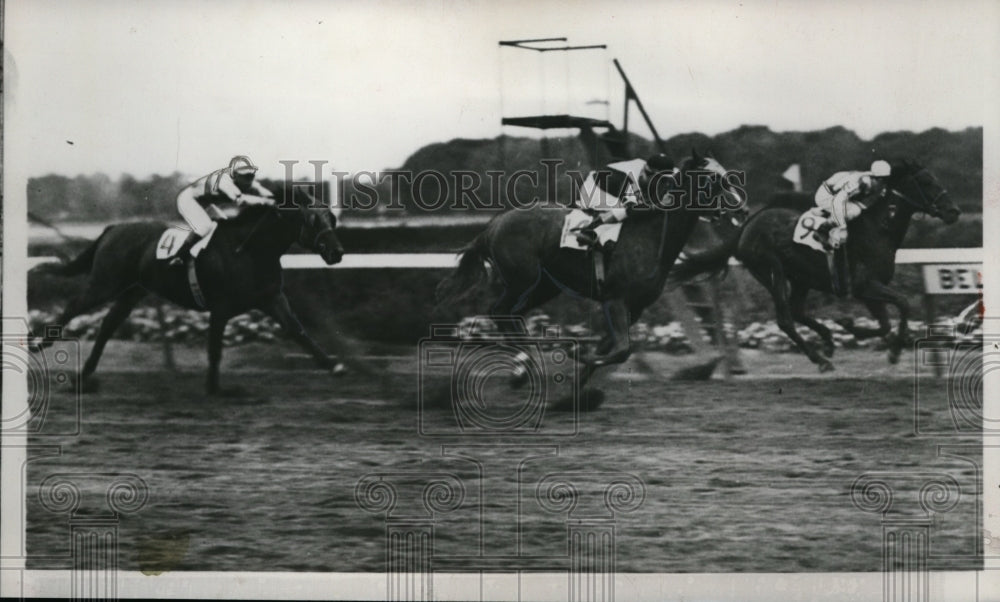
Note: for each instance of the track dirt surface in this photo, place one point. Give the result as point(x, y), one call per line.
point(748, 475)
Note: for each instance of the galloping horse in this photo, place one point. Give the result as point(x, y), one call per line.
point(790, 270)
point(524, 249)
point(238, 271)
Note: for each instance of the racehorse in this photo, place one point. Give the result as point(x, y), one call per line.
point(790, 270)
point(523, 247)
point(238, 271)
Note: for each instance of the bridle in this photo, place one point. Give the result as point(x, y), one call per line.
point(302, 227)
point(928, 206)
point(319, 234)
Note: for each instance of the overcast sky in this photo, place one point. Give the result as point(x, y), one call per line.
point(154, 87)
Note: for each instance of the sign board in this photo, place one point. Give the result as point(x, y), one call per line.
point(953, 278)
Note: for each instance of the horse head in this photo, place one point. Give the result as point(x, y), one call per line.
point(725, 193)
point(917, 187)
point(315, 222)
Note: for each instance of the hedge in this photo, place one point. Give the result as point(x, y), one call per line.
point(191, 327)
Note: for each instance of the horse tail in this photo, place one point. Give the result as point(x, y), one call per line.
point(80, 264)
point(468, 276)
point(714, 260)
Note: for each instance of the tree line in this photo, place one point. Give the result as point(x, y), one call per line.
point(956, 158)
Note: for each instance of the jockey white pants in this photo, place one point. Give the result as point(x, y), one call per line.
point(614, 215)
point(843, 214)
point(195, 216)
point(198, 219)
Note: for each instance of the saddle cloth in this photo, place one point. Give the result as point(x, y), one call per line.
point(807, 227)
point(170, 242)
point(577, 219)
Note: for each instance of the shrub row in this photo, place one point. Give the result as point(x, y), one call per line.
point(184, 326)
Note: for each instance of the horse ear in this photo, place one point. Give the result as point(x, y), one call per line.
point(694, 154)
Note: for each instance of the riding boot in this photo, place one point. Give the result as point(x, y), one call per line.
point(831, 263)
point(823, 236)
point(185, 250)
point(587, 235)
point(840, 274)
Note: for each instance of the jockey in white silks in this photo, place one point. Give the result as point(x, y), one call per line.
point(840, 193)
point(224, 191)
point(625, 185)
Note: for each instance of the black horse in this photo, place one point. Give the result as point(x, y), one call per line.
point(238, 271)
point(523, 247)
point(790, 270)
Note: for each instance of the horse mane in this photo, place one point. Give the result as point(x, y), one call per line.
point(903, 168)
point(286, 196)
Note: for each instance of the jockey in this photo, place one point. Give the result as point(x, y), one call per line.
point(623, 192)
point(233, 185)
point(840, 193)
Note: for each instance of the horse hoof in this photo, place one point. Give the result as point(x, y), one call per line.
point(893, 356)
point(591, 399)
point(825, 367)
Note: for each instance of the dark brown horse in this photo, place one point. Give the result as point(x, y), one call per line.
point(790, 270)
point(523, 248)
point(238, 271)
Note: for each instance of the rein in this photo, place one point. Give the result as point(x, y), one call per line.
point(928, 206)
point(260, 220)
point(239, 248)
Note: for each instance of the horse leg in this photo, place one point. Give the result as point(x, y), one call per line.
point(616, 316)
point(875, 295)
point(279, 309)
point(778, 287)
point(515, 301)
point(797, 305)
point(85, 302)
point(216, 328)
point(122, 307)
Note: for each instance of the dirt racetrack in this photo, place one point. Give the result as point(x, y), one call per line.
point(748, 475)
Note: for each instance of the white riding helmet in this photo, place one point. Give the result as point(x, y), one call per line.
point(241, 165)
point(881, 169)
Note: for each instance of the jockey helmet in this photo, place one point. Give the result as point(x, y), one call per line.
point(241, 165)
point(881, 169)
point(654, 165)
point(659, 162)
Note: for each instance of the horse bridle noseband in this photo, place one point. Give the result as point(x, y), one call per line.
point(318, 234)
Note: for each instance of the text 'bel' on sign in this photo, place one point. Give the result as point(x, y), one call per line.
point(953, 278)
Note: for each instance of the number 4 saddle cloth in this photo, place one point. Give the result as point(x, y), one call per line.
point(170, 242)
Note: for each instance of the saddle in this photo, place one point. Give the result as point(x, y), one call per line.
point(166, 248)
point(599, 250)
point(813, 231)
